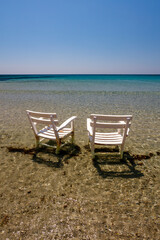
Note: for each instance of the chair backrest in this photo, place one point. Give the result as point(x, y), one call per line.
point(121, 123)
point(45, 119)
point(114, 118)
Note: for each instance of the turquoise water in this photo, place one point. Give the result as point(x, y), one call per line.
point(82, 95)
point(84, 83)
point(123, 91)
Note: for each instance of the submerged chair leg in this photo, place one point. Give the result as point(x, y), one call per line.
point(58, 147)
point(37, 142)
point(121, 152)
point(121, 155)
point(92, 150)
point(72, 138)
point(88, 140)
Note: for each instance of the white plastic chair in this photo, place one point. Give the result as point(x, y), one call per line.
point(119, 126)
point(45, 126)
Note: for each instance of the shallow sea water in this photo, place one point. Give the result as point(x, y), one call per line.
point(82, 95)
point(43, 195)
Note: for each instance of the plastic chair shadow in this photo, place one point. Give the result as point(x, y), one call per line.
point(121, 168)
point(48, 156)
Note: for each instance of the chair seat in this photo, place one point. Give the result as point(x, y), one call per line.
point(108, 138)
point(49, 133)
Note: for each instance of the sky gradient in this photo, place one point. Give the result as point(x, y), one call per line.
point(80, 36)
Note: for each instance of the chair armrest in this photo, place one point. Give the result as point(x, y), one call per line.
point(69, 120)
point(127, 131)
point(129, 125)
point(89, 128)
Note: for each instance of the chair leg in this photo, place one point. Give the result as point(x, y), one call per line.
point(72, 138)
point(121, 155)
point(92, 150)
point(121, 152)
point(93, 155)
point(58, 147)
point(37, 142)
point(88, 142)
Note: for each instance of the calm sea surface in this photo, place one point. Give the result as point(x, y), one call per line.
point(84, 83)
point(96, 91)
point(82, 95)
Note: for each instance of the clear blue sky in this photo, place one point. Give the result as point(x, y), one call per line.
point(79, 36)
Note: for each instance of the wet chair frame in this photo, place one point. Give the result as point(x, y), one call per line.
point(45, 126)
point(118, 127)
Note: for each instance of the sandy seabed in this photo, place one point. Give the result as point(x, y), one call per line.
point(71, 196)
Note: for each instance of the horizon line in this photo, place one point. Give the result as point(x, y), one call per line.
point(79, 74)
